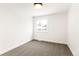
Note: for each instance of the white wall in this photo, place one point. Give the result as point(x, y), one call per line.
point(57, 28)
point(73, 29)
point(15, 26)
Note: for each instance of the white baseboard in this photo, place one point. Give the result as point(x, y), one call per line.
point(51, 41)
point(70, 48)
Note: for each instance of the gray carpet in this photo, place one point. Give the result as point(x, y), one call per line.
point(40, 48)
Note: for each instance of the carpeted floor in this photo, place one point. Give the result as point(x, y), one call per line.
point(40, 48)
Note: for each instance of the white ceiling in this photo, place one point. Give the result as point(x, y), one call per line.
point(28, 8)
point(49, 8)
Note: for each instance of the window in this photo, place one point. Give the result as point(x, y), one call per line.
point(41, 25)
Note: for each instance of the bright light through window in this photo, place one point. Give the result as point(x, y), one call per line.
point(41, 25)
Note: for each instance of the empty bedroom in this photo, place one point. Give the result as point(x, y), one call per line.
point(39, 29)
